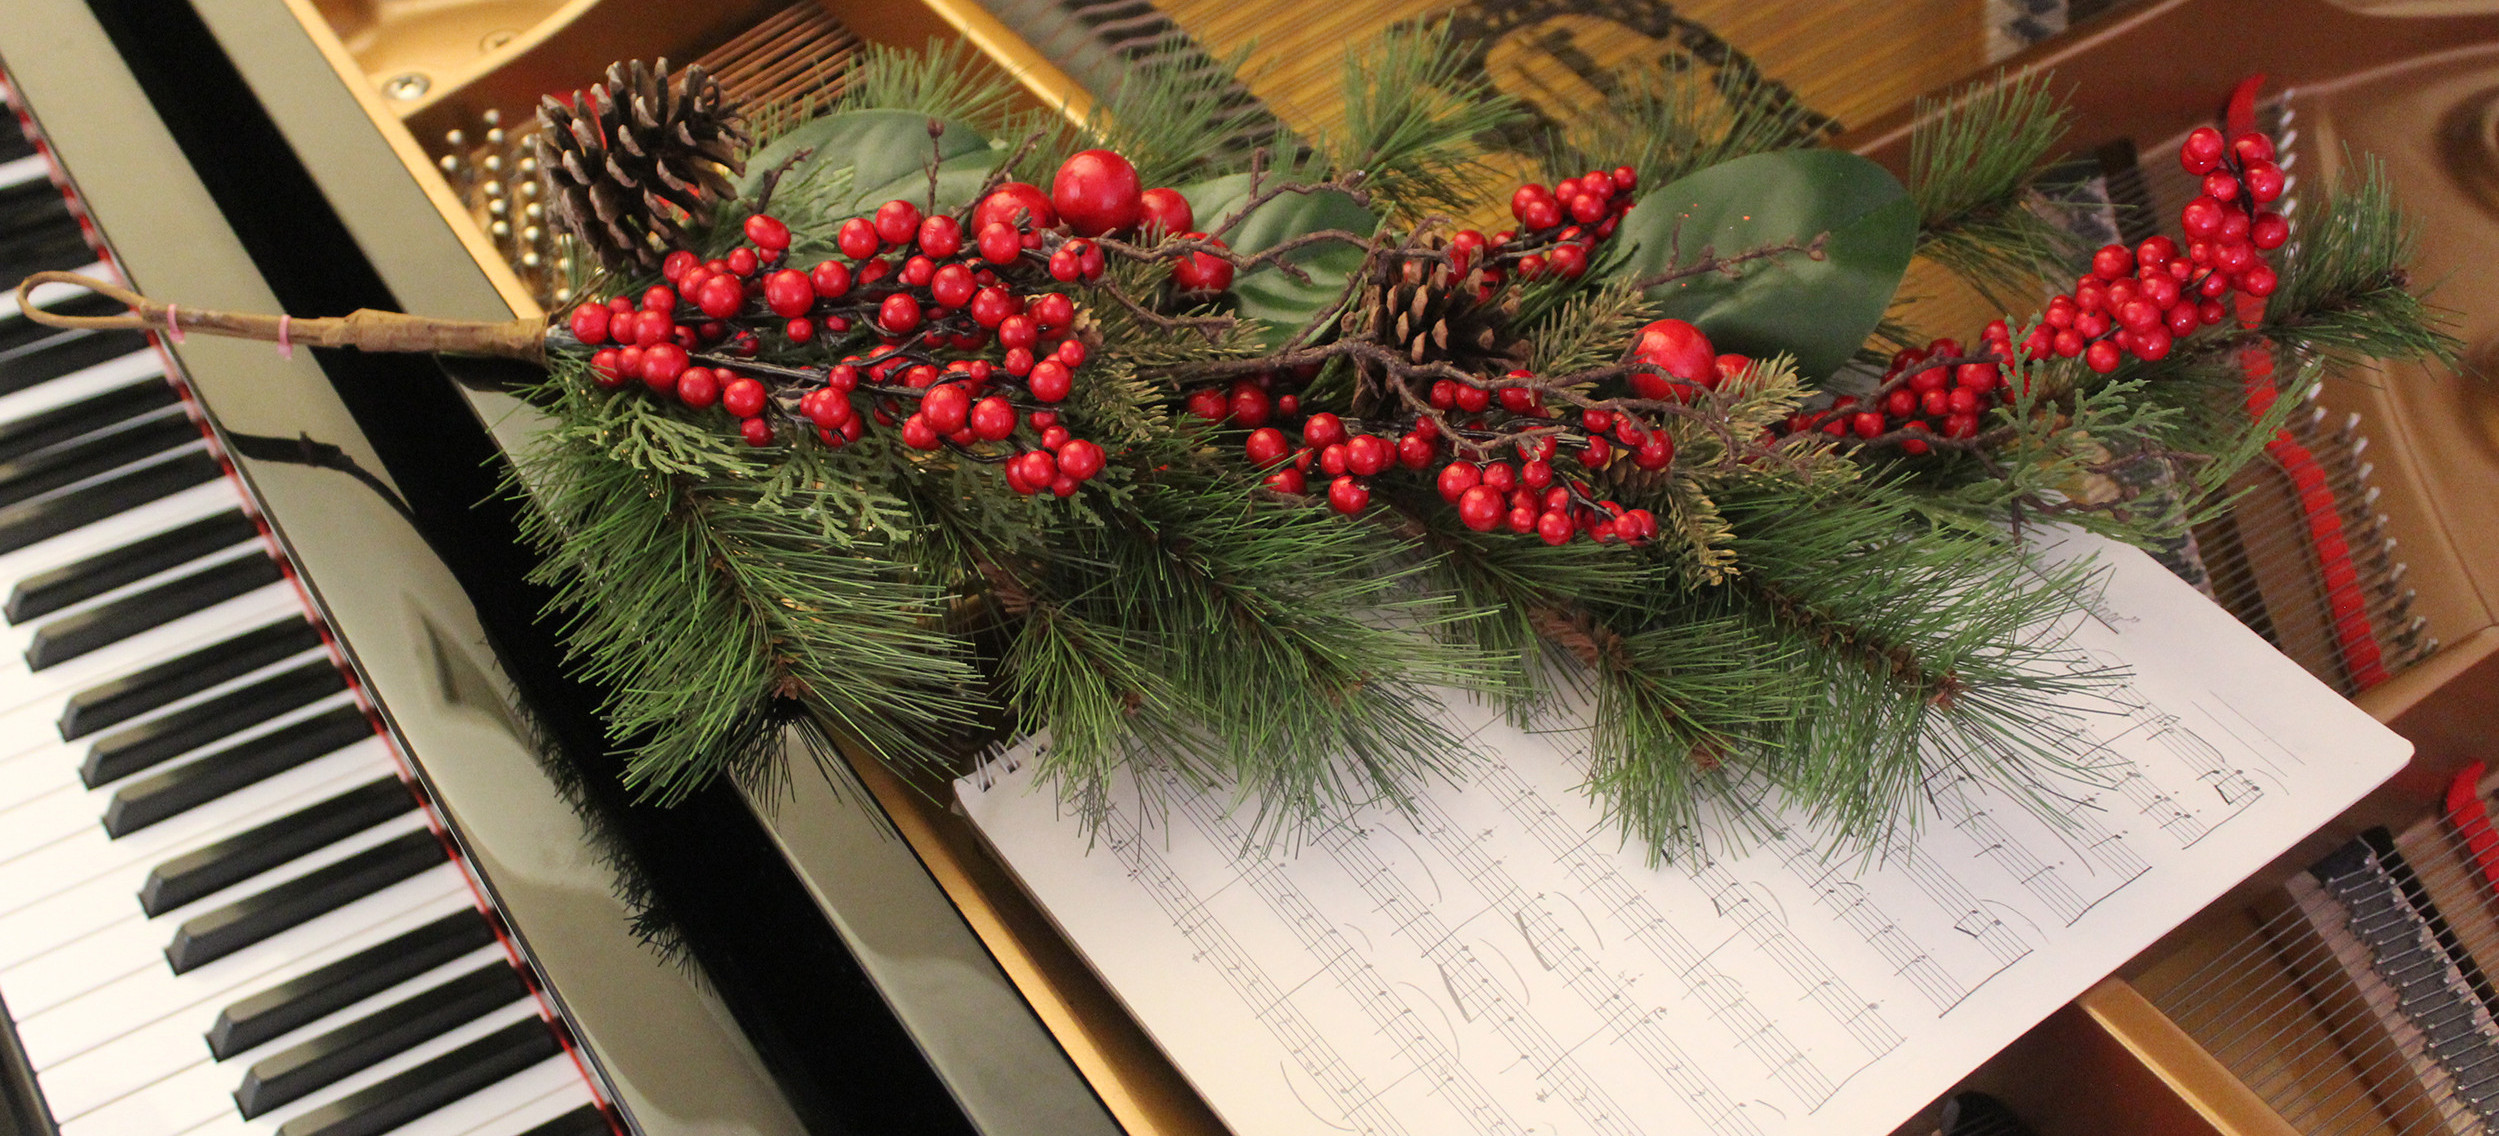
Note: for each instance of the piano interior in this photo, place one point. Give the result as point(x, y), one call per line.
point(886, 974)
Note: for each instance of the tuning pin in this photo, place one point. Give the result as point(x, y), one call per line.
point(563, 296)
point(500, 229)
point(492, 189)
point(450, 164)
point(494, 137)
point(498, 207)
point(526, 188)
point(533, 212)
point(532, 234)
point(455, 139)
point(491, 163)
point(529, 165)
point(491, 117)
point(529, 260)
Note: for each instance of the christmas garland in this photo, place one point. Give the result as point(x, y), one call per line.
point(926, 419)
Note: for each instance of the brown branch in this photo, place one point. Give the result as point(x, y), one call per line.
point(1890, 662)
point(772, 179)
point(1728, 265)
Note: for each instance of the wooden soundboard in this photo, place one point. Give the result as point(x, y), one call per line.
point(2411, 82)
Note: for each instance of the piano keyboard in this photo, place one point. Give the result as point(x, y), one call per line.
point(223, 906)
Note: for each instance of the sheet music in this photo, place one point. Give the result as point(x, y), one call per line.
point(1500, 963)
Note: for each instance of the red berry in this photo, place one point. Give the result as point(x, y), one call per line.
point(659, 298)
point(1470, 398)
point(2202, 218)
point(1250, 406)
point(589, 324)
point(1202, 271)
point(768, 233)
point(2202, 151)
point(918, 434)
point(1287, 480)
point(992, 419)
point(2101, 357)
point(1096, 192)
point(941, 236)
point(1016, 205)
point(1556, 528)
point(857, 239)
point(1569, 260)
point(743, 396)
point(699, 387)
point(662, 363)
point(1207, 403)
point(1456, 478)
point(722, 297)
point(1681, 351)
point(1323, 429)
point(991, 306)
point(947, 407)
point(897, 222)
point(1163, 212)
point(1332, 460)
point(1347, 494)
point(2112, 262)
point(1367, 454)
point(606, 369)
point(1052, 310)
point(756, 431)
point(2264, 181)
point(1414, 451)
point(1480, 508)
point(743, 261)
point(1050, 381)
point(951, 286)
point(1266, 446)
point(2221, 187)
point(2268, 231)
point(1072, 353)
point(899, 314)
point(1080, 459)
point(789, 293)
point(2252, 147)
point(2258, 281)
point(676, 265)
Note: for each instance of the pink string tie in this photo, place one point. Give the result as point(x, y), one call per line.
point(173, 321)
point(286, 345)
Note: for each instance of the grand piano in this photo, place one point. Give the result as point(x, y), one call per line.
point(305, 828)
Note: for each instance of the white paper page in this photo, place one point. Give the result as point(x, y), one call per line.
point(1502, 963)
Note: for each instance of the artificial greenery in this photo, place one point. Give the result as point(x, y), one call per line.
point(1814, 615)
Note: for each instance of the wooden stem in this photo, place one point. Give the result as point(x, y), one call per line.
point(366, 330)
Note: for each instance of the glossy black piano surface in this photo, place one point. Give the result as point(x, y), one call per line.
point(252, 820)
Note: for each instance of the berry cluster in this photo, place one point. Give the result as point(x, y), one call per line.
point(2140, 301)
point(2137, 302)
point(963, 344)
point(1558, 227)
point(1935, 390)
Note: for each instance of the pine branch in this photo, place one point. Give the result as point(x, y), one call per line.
point(1414, 110)
point(1971, 163)
point(949, 78)
point(1667, 121)
point(2344, 290)
point(1177, 119)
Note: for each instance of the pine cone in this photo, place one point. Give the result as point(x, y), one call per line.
point(1430, 314)
point(631, 157)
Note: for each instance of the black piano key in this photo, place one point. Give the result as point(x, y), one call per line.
point(584, 1121)
point(54, 356)
point(47, 592)
point(396, 1101)
point(212, 935)
point(158, 796)
point(43, 472)
point(285, 1076)
point(359, 976)
point(13, 144)
point(111, 703)
point(137, 748)
point(17, 331)
point(105, 624)
point(44, 247)
point(43, 518)
point(240, 857)
point(85, 416)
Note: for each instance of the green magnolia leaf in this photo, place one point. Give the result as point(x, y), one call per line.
point(1279, 302)
point(887, 151)
point(1817, 310)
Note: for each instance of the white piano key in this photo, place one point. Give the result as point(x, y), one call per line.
point(14, 638)
point(533, 1096)
point(35, 953)
point(156, 1050)
point(90, 854)
point(100, 1013)
point(20, 171)
point(55, 684)
point(33, 731)
point(112, 901)
point(112, 374)
point(206, 499)
point(50, 294)
point(51, 815)
point(568, 1090)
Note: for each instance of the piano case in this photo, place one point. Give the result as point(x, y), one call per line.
point(1019, 1036)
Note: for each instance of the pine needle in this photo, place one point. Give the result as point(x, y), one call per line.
point(2344, 290)
point(1413, 113)
point(1666, 121)
point(949, 79)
